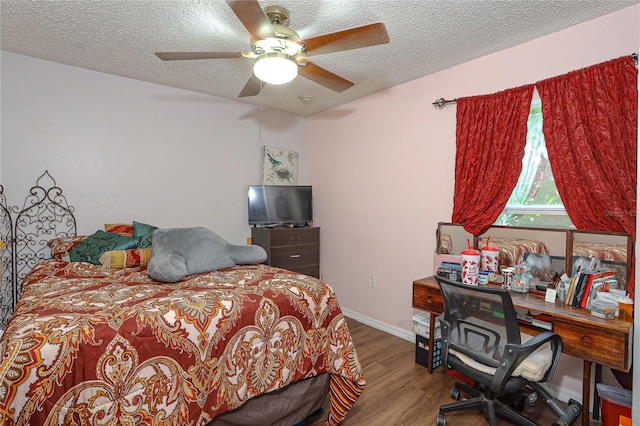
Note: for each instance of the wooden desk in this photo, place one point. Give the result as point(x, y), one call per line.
point(603, 341)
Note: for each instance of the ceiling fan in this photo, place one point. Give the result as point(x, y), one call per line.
point(279, 53)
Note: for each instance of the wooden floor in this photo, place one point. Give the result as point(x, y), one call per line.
point(401, 392)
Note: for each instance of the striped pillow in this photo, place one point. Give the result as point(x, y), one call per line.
point(120, 259)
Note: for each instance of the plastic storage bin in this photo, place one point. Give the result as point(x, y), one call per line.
point(602, 308)
point(421, 325)
point(616, 402)
point(421, 328)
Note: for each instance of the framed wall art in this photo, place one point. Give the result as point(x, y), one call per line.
point(279, 166)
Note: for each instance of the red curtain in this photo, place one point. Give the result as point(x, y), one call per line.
point(591, 129)
point(491, 134)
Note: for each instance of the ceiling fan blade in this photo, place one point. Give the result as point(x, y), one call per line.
point(252, 17)
point(355, 38)
point(325, 78)
point(181, 56)
point(252, 88)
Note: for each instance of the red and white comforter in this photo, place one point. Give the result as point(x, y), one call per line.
point(91, 347)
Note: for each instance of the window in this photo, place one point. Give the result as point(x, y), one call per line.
point(535, 200)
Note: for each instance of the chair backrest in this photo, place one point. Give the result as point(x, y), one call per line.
point(479, 321)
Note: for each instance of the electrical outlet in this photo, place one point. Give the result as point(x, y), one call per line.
point(372, 281)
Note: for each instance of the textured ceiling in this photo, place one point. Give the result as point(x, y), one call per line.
point(120, 38)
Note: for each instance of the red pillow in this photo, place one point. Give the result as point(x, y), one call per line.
point(125, 229)
point(62, 246)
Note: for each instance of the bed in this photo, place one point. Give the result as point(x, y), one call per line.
point(601, 250)
point(90, 346)
point(512, 250)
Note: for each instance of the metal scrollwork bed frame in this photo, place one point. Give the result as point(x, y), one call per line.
point(26, 230)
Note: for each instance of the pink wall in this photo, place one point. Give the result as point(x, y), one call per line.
point(382, 166)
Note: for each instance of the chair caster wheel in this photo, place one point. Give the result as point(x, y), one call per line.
point(441, 421)
point(455, 394)
point(518, 403)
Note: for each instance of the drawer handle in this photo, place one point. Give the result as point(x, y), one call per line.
point(587, 340)
point(295, 255)
point(429, 299)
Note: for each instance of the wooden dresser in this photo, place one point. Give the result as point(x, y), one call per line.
point(295, 249)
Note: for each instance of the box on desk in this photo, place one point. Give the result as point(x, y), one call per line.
point(421, 328)
point(446, 259)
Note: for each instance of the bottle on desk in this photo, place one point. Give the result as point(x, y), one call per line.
point(507, 277)
point(563, 286)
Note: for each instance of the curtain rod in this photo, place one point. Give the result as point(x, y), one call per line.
point(442, 101)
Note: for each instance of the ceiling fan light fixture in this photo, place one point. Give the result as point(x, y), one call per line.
point(275, 68)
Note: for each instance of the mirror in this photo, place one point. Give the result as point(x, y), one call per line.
point(544, 250)
point(451, 238)
point(610, 248)
point(550, 252)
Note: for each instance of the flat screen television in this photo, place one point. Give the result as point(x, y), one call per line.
point(280, 205)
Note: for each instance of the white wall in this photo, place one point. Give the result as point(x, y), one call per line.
point(125, 150)
point(383, 168)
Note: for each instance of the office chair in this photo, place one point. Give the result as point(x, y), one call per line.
point(481, 340)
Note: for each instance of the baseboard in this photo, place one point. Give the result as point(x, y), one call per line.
point(557, 392)
point(382, 326)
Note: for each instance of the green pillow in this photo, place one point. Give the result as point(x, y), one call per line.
point(94, 245)
point(144, 234)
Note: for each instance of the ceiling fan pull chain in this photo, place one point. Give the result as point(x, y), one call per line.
point(260, 114)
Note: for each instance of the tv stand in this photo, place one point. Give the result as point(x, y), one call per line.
point(284, 225)
point(295, 249)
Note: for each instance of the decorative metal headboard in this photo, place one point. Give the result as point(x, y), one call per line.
point(44, 215)
point(6, 255)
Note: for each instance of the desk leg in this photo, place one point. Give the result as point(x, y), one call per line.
point(596, 397)
point(432, 332)
point(586, 390)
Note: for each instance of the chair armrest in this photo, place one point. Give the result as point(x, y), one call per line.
point(514, 355)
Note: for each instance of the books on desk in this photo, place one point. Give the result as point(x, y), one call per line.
point(585, 283)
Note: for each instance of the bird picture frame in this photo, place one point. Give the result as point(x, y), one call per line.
point(279, 166)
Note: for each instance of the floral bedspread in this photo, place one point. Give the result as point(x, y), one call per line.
point(603, 251)
point(91, 347)
point(445, 245)
point(512, 250)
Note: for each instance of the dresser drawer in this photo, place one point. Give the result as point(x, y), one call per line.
point(295, 256)
point(295, 249)
point(295, 236)
point(595, 344)
point(311, 270)
point(428, 298)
